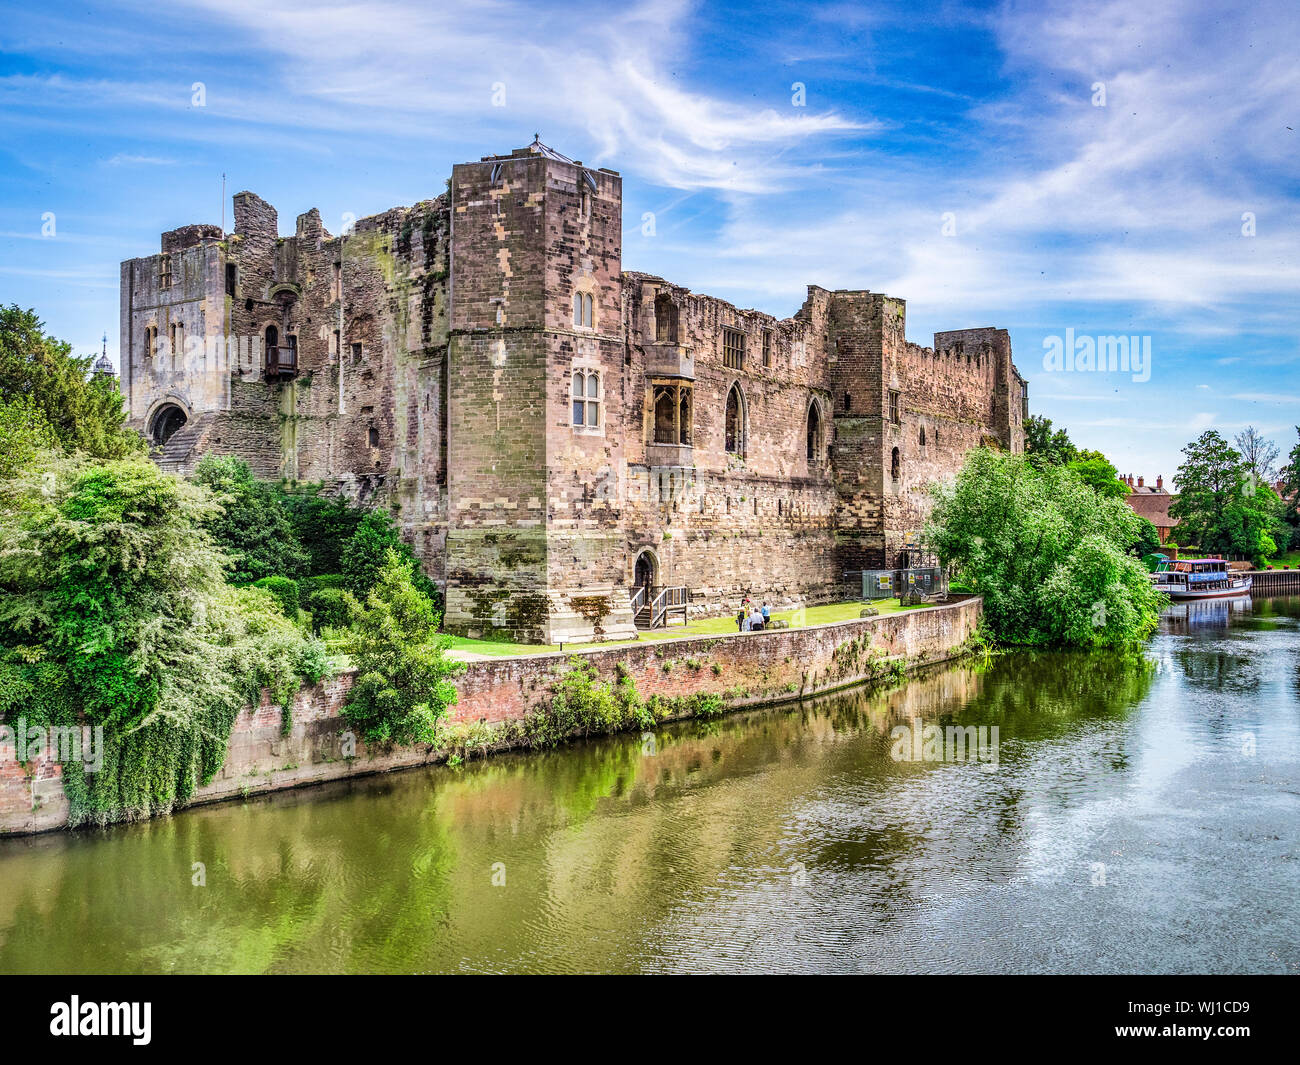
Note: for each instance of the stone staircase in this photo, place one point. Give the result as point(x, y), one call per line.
point(181, 451)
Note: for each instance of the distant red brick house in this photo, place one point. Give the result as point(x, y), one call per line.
point(1152, 502)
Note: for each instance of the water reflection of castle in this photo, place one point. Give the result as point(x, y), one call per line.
point(1204, 613)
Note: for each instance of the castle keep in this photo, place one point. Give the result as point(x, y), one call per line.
point(569, 446)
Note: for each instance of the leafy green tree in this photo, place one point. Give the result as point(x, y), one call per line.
point(114, 611)
point(1045, 446)
point(403, 685)
point(1048, 553)
point(252, 527)
point(323, 526)
point(1221, 506)
point(1148, 539)
point(24, 433)
point(1097, 472)
point(366, 554)
point(83, 413)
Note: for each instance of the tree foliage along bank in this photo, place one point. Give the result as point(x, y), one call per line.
point(1049, 554)
point(114, 611)
point(1223, 506)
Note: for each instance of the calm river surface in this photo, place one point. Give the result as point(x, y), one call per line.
point(1143, 816)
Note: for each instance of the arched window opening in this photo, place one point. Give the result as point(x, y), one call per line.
point(936, 438)
point(665, 423)
point(923, 436)
point(582, 310)
point(151, 341)
point(814, 435)
point(735, 422)
point(672, 413)
point(586, 397)
point(894, 465)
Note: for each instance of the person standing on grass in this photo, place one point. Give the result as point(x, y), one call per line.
point(767, 613)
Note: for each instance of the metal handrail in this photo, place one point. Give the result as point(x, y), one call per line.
point(638, 600)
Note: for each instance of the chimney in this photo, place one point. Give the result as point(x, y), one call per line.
point(1160, 482)
point(1139, 482)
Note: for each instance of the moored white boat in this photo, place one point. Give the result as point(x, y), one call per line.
point(1199, 578)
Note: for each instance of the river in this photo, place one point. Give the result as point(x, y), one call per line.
point(1137, 814)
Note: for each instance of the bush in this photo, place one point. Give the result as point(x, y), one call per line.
point(285, 592)
point(253, 527)
point(366, 554)
point(332, 608)
point(323, 526)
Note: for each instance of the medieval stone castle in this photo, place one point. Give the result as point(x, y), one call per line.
point(568, 445)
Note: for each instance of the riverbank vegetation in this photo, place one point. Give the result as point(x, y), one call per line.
point(1054, 559)
point(155, 607)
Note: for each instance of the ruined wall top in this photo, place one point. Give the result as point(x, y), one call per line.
point(189, 237)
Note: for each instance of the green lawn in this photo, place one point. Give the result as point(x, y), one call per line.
point(1291, 558)
point(814, 615)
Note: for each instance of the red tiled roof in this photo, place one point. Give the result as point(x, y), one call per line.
point(1154, 506)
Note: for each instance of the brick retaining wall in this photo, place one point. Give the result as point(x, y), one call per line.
point(753, 669)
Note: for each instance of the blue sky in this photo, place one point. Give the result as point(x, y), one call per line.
point(1125, 218)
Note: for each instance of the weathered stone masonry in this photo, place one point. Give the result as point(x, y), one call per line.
point(550, 430)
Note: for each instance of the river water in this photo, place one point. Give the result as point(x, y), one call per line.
point(1133, 815)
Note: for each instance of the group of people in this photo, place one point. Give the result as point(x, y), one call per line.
point(752, 617)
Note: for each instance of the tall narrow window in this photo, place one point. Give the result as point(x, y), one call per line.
point(923, 436)
point(586, 397)
point(338, 281)
point(894, 416)
point(232, 279)
point(582, 310)
point(767, 349)
point(894, 465)
point(684, 417)
point(735, 422)
point(814, 435)
point(665, 415)
point(165, 278)
point(151, 341)
point(733, 349)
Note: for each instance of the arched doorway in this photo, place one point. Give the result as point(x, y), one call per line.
point(646, 571)
point(166, 420)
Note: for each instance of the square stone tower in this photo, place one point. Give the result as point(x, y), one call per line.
point(536, 549)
